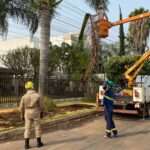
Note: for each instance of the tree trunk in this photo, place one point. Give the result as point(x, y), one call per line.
point(44, 46)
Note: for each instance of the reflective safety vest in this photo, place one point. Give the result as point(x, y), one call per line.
point(109, 98)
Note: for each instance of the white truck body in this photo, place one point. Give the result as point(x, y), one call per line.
point(141, 93)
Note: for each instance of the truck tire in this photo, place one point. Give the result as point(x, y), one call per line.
point(144, 111)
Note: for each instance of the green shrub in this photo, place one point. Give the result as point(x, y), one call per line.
point(116, 66)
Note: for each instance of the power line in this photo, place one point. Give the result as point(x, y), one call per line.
point(58, 30)
point(71, 13)
point(76, 21)
point(64, 22)
point(62, 9)
point(74, 7)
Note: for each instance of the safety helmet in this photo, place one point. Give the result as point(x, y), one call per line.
point(110, 83)
point(29, 85)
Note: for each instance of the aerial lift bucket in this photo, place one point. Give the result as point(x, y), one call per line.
point(103, 26)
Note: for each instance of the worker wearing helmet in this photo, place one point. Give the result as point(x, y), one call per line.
point(108, 109)
point(31, 108)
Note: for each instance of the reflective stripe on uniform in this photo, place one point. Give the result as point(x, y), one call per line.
point(109, 98)
point(108, 131)
point(114, 129)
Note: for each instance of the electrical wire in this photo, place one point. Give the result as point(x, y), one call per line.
point(73, 6)
point(64, 22)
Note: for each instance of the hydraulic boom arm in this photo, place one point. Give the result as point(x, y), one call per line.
point(103, 25)
point(131, 73)
point(130, 19)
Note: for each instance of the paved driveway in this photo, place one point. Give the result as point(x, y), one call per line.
point(134, 135)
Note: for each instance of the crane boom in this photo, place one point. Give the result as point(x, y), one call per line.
point(131, 73)
point(103, 25)
point(130, 19)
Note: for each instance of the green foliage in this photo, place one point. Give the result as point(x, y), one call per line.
point(24, 61)
point(137, 11)
point(122, 37)
point(116, 66)
point(146, 69)
point(69, 59)
point(49, 105)
point(96, 3)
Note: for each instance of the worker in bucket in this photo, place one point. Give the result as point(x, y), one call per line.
point(31, 108)
point(108, 109)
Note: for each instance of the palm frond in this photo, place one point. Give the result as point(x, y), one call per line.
point(19, 10)
point(97, 3)
point(53, 4)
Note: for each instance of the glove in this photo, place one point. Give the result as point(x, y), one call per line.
point(41, 115)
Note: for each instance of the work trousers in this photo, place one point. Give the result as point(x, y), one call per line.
point(108, 114)
point(28, 126)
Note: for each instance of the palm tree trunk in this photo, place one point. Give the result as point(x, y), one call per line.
point(44, 42)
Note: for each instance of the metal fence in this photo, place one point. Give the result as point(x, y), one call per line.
point(12, 88)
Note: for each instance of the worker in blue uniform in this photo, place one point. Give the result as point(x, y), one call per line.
point(108, 109)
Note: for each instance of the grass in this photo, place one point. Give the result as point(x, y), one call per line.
point(66, 114)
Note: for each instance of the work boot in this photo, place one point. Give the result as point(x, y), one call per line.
point(27, 143)
point(39, 143)
point(108, 135)
point(115, 133)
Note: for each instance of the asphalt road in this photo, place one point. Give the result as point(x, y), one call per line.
point(134, 134)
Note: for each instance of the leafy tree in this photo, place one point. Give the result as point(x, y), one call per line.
point(116, 66)
point(70, 59)
point(67, 59)
point(22, 61)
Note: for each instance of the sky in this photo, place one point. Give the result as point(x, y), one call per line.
point(126, 6)
point(70, 15)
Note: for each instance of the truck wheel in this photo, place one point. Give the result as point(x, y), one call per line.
point(142, 112)
point(148, 110)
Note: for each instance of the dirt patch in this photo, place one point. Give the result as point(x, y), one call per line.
point(11, 118)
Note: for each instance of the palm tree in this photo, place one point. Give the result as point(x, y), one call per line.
point(139, 32)
point(29, 11)
point(46, 9)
